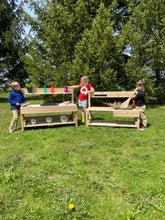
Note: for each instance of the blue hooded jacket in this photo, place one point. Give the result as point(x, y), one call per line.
point(16, 97)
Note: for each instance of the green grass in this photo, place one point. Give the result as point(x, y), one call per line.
point(107, 173)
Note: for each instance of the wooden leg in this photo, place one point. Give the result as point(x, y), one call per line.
point(87, 116)
point(22, 122)
point(90, 117)
point(76, 123)
point(73, 115)
point(136, 120)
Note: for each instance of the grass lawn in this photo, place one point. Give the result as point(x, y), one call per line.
point(107, 173)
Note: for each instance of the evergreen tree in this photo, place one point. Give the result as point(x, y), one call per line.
point(77, 37)
point(56, 30)
point(11, 43)
point(118, 8)
point(145, 36)
point(98, 54)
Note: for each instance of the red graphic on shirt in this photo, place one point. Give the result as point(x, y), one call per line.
point(83, 91)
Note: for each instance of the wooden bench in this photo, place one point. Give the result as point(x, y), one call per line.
point(117, 112)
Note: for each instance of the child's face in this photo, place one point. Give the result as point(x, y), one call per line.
point(140, 88)
point(17, 87)
point(85, 83)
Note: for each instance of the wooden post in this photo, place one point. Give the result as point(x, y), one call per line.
point(137, 121)
point(86, 118)
point(90, 117)
point(76, 124)
point(73, 116)
point(72, 97)
point(89, 99)
point(22, 122)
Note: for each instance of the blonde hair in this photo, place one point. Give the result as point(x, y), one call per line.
point(141, 83)
point(84, 79)
point(14, 84)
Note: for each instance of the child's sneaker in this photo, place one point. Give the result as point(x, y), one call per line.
point(11, 130)
point(143, 128)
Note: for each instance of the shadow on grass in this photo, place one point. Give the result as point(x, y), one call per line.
point(155, 106)
point(98, 118)
point(33, 97)
point(3, 100)
point(46, 127)
point(148, 125)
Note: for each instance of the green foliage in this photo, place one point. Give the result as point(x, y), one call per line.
point(51, 51)
point(29, 85)
point(11, 43)
point(115, 43)
point(144, 34)
point(98, 54)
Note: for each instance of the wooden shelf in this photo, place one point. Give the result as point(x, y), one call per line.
point(112, 123)
point(48, 93)
point(41, 120)
point(39, 91)
point(36, 108)
point(100, 109)
point(48, 124)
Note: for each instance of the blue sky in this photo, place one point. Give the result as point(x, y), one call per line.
point(27, 9)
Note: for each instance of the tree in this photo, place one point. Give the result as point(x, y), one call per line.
point(56, 30)
point(98, 54)
point(144, 35)
point(11, 43)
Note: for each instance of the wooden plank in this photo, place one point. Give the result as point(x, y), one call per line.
point(25, 104)
point(30, 109)
point(24, 91)
point(126, 113)
point(49, 124)
point(40, 91)
point(112, 123)
point(89, 99)
point(57, 91)
point(100, 109)
point(112, 94)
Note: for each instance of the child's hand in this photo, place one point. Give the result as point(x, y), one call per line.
point(17, 104)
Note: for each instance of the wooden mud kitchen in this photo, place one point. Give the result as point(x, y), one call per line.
point(49, 120)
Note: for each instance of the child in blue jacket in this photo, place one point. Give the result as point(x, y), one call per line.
point(15, 99)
